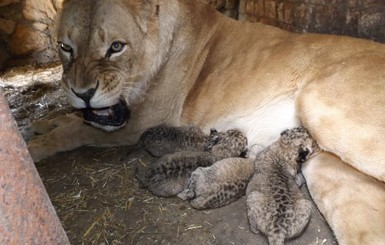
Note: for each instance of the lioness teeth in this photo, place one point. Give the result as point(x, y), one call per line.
point(115, 115)
point(104, 112)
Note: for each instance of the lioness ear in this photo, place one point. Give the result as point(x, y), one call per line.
point(146, 11)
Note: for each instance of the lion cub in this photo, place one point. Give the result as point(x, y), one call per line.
point(275, 204)
point(220, 184)
point(181, 151)
point(162, 140)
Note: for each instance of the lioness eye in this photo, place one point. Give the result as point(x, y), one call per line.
point(116, 47)
point(66, 48)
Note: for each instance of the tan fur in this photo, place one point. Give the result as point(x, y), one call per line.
point(186, 64)
point(353, 203)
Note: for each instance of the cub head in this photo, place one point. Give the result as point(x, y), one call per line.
point(232, 143)
point(110, 52)
point(300, 142)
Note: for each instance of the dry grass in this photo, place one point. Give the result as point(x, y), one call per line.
point(100, 202)
point(34, 93)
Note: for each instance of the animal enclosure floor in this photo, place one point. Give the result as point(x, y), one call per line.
point(99, 201)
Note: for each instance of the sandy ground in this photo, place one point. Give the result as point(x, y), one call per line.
point(99, 201)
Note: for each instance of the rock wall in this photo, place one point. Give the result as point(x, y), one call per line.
point(357, 18)
point(27, 35)
point(26, 31)
point(227, 7)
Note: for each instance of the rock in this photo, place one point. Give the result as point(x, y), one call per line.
point(7, 2)
point(38, 10)
point(3, 57)
point(7, 26)
point(40, 26)
point(26, 40)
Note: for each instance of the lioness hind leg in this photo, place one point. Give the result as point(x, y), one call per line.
point(352, 203)
point(344, 110)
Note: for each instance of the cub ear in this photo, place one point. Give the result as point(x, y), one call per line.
point(213, 131)
point(146, 12)
point(285, 132)
point(285, 136)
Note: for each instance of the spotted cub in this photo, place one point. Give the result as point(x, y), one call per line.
point(275, 204)
point(163, 139)
point(220, 184)
point(181, 151)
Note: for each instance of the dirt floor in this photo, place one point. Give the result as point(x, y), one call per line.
point(99, 201)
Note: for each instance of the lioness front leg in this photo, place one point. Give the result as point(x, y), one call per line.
point(352, 203)
point(44, 126)
point(48, 137)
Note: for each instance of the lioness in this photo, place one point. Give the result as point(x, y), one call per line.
point(134, 64)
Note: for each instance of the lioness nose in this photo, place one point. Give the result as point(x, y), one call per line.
point(86, 96)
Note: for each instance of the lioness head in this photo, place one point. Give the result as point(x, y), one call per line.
point(109, 50)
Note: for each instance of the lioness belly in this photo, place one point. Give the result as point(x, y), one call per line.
point(262, 124)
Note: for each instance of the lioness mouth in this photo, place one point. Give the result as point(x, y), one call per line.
point(115, 115)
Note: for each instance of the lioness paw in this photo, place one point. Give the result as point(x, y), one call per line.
point(42, 127)
point(40, 148)
point(35, 129)
point(48, 137)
